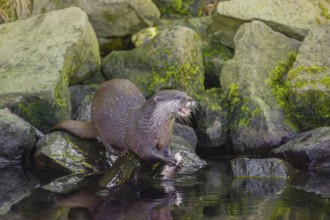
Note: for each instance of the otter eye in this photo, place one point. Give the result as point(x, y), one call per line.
point(178, 97)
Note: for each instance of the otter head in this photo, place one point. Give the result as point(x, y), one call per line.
point(176, 104)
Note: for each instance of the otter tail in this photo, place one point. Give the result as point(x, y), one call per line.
point(82, 129)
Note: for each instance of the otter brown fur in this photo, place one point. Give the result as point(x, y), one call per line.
point(124, 120)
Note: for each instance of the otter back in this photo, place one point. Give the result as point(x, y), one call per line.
point(112, 105)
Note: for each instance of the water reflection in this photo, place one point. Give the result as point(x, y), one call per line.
point(211, 193)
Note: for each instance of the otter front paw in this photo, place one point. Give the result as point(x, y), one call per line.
point(122, 153)
point(171, 161)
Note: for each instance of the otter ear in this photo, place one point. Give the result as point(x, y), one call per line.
point(157, 98)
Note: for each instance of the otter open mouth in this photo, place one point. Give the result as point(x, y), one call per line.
point(184, 112)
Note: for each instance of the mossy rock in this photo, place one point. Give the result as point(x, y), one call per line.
point(302, 84)
point(180, 8)
point(171, 60)
point(38, 64)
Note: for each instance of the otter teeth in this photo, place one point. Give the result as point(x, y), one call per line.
point(184, 111)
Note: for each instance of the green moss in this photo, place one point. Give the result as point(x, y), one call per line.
point(174, 75)
point(179, 8)
point(306, 109)
point(325, 15)
point(110, 17)
point(237, 110)
point(40, 112)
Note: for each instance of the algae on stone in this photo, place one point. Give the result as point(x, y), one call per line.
point(302, 86)
point(171, 60)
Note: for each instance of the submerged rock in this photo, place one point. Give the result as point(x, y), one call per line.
point(317, 182)
point(260, 120)
point(14, 186)
point(292, 18)
point(69, 183)
point(309, 150)
point(259, 186)
point(16, 138)
point(172, 59)
point(64, 152)
point(39, 57)
point(265, 167)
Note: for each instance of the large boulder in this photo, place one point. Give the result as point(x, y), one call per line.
point(39, 57)
point(110, 18)
point(260, 120)
point(309, 81)
point(172, 59)
point(293, 18)
point(16, 137)
point(309, 150)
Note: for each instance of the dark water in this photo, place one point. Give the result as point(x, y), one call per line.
point(211, 193)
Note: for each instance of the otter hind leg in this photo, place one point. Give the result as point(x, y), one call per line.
point(120, 152)
point(153, 155)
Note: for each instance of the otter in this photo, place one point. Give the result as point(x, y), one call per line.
point(123, 120)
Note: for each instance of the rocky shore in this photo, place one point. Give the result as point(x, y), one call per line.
point(260, 72)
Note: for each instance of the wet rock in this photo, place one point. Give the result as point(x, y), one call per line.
point(309, 91)
point(109, 18)
point(190, 160)
point(172, 59)
point(309, 150)
point(265, 167)
point(69, 183)
point(260, 120)
point(64, 152)
point(230, 15)
point(317, 182)
point(39, 57)
point(16, 137)
point(212, 123)
point(14, 186)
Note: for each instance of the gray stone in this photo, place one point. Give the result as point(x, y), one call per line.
point(309, 150)
point(191, 161)
point(64, 152)
point(212, 124)
point(293, 18)
point(16, 137)
point(81, 97)
point(172, 59)
point(110, 18)
point(39, 57)
point(309, 81)
point(261, 120)
point(187, 133)
point(265, 167)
